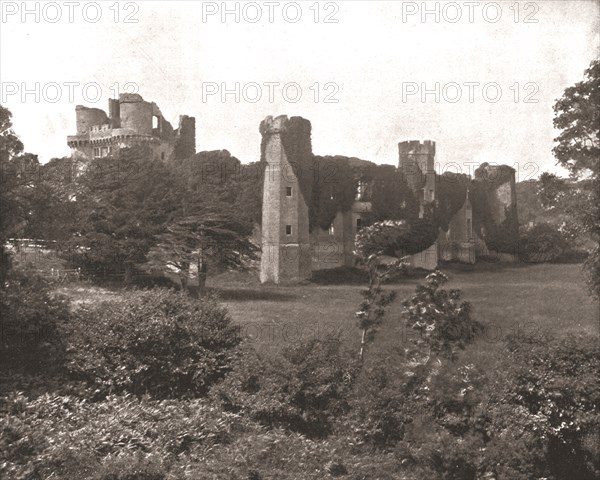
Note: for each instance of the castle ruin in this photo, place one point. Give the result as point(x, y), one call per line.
point(130, 121)
point(290, 251)
point(292, 247)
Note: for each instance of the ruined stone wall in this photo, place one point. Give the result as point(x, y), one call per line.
point(131, 122)
point(457, 243)
point(86, 118)
point(334, 247)
point(185, 146)
point(496, 224)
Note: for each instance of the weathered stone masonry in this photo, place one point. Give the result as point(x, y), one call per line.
point(290, 252)
point(130, 121)
point(286, 250)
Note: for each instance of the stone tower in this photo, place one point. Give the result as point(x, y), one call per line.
point(185, 143)
point(417, 162)
point(286, 251)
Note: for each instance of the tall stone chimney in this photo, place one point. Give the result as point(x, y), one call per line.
point(286, 251)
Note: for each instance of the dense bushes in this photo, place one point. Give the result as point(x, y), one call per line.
point(547, 243)
point(428, 405)
point(396, 238)
point(527, 410)
point(556, 385)
point(155, 341)
point(304, 388)
point(120, 438)
point(542, 243)
point(395, 389)
point(30, 317)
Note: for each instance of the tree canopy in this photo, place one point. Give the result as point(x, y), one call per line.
point(577, 148)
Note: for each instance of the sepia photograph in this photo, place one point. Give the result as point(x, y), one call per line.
point(300, 240)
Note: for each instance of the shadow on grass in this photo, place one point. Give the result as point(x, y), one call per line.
point(483, 265)
point(358, 276)
point(252, 294)
point(340, 276)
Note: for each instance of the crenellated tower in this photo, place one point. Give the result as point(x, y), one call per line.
point(417, 163)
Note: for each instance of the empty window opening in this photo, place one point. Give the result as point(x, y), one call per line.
point(288, 191)
point(331, 229)
point(288, 229)
point(361, 191)
point(155, 122)
point(358, 224)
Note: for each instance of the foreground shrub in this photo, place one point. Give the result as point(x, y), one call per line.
point(394, 388)
point(61, 437)
point(533, 413)
point(556, 384)
point(442, 321)
point(30, 316)
point(304, 388)
point(118, 438)
point(156, 341)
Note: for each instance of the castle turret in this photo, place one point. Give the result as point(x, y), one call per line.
point(286, 251)
point(185, 143)
point(417, 162)
point(130, 122)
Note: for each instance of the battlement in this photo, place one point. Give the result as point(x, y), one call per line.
point(416, 147)
point(417, 162)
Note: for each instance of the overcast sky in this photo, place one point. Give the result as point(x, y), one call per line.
point(498, 68)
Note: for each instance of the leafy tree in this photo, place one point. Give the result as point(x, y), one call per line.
point(10, 145)
point(125, 201)
point(212, 235)
point(578, 118)
point(396, 238)
point(35, 199)
point(221, 199)
point(51, 200)
point(371, 244)
point(15, 185)
point(578, 150)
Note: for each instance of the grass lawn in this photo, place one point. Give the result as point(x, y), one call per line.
point(526, 299)
point(543, 299)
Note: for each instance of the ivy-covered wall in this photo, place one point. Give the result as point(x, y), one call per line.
point(495, 207)
point(329, 185)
